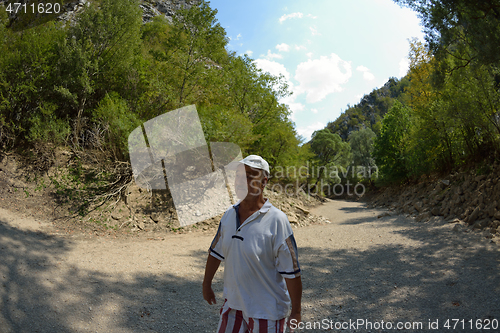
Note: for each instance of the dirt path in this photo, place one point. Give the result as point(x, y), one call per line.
point(357, 267)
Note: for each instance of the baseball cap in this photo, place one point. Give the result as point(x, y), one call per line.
point(256, 162)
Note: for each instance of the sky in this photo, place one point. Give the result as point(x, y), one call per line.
point(332, 52)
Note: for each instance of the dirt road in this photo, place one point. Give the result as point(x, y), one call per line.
point(358, 267)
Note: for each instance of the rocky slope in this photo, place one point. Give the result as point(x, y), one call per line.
point(50, 197)
point(70, 9)
point(472, 201)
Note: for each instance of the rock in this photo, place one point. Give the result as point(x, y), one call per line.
point(474, 215)
point(383, 215)
point(445, 182)
point(423, 217)
point(418, 206)
point(454, 221)
point(481, 224)
point(292, 218)
point(494, 224)
point(154, 217)
point(436, 211)
point(458, 228)
point(116, 216)
point(479, 178)
point(305, 211)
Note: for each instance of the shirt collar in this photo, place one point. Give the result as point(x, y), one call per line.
point(265, 207)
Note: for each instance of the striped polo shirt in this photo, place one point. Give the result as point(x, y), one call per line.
point(258, 253)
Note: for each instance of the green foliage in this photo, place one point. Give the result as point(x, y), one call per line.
point(390, 148)
point(90, 83)
point(114, 116)
point(371, 109)
point(329, 147)
point(46, 127)
point(463, 24)
point(27, 75)
point(361, 143)
point(97, 54)
point(193, 51)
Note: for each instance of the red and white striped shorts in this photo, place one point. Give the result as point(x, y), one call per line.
point(234, 321)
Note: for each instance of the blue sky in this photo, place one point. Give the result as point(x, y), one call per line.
point(332, 52)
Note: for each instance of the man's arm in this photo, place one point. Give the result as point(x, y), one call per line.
point(295, 290)
point(210, 270)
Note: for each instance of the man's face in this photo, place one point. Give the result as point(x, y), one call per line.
point(248, 181)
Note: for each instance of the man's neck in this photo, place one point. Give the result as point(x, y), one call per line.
point(252, 203)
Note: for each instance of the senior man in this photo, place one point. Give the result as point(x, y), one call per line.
point(262, 272)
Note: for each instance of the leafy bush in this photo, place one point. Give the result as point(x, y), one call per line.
point(114, 116)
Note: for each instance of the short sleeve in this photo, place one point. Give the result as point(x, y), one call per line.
point(287, 260)
point(216, 246)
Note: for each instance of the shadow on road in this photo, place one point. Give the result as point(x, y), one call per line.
point(448, 275)
point(444, 278)
point(37, 296)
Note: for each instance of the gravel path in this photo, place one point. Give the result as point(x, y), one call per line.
point(357, 267)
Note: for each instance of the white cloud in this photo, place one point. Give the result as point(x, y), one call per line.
point(306, 132)
point(309, 54)
point(249, 52)
point(270, 55)
point(283, 47)
point(300, 47)
point(289, 16)
point(314, 111)
point(312, 16)
point(238, 37)
point(273, 67)
point(366, 73)
point(314, 31)
point(295, 107)
point(320, 77)
point(404, 66)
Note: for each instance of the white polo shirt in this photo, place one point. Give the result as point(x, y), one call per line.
point(258, 255)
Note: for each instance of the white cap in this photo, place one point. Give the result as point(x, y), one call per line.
point(256, 162)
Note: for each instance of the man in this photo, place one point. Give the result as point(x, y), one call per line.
point(262, 272)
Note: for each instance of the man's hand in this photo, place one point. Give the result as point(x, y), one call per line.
point(296, 320)
point(212, 266)
point(208, 294)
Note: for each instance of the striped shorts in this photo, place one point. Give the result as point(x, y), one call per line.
point(234, 321)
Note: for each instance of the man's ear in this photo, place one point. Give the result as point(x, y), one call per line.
point(264, 182)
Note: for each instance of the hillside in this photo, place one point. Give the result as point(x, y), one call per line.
point(370, 111)
point(32, 13)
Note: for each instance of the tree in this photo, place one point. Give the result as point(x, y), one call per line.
point(361, 143)
point(194, 48)
point(96, 56)
point(461, 23)
point(28, 76)
point(390, 148)
point(329, 150)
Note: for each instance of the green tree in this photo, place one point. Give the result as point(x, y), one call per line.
point(96, 57)
point(329, 150)
point(27, 77)
point(390, 148)
point(361, 143)
point(461, 23)
point(195, 47)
